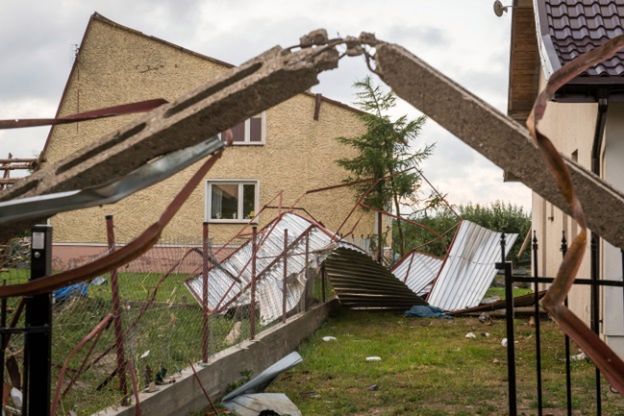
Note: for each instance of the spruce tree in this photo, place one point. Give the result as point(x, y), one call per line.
point(385, 150)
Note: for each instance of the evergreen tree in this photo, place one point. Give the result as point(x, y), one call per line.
point(385, 149)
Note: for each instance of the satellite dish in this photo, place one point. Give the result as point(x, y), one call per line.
point(499, 9)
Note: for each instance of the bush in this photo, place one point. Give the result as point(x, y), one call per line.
point(498, 216)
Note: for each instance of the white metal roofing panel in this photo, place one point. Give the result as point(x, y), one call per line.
point(222, 288)
point(469, 268)
point(417, 271)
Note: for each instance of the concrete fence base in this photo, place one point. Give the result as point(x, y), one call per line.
point(225, 367)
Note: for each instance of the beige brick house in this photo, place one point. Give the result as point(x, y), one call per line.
point(585, 122)
point(289, 148)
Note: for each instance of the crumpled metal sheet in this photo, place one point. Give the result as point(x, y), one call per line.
point(361, 283)
point(248, 399)
point(469, 268)
point(223, 289)
point(255, 404)
point(418, 271)
point(266, 377)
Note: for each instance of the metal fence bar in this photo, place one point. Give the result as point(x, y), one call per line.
point(205, 312)
point(323, 278)
point(595, 310)
point(38, 344)
point(117, 325)
point(568, 369)
point(284, 287)
point(511, 353)
point(536, 317)
point(252, 305)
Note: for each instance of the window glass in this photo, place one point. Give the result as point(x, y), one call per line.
point(224, 204)
point(249, 200)
point(255, 130)
point(238, 131)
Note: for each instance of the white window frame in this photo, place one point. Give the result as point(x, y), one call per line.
point(247, 141)
point(239, 182)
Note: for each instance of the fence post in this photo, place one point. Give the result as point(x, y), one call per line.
point(252, 304)
point(38, 345)
point(536, 317)
point(3, 315)
point(205, 315)
point(323, 282)
point(511, 349)
point(306, 304)
point(564, 250)
point(284, 287)
point(121, 357)
point(595, 309)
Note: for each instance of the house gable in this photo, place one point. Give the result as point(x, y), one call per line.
point(117, 65)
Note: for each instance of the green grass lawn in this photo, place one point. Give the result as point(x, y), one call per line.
point(429, 368)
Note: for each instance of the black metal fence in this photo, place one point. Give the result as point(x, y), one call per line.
point(595, 284)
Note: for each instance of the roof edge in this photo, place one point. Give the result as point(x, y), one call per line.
point(548, 56)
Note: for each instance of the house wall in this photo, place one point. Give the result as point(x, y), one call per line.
point(571, 128)
point(613, 173)
point(117, 66)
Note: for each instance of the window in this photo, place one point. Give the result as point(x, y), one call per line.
point(251, 131)
point(231, 201)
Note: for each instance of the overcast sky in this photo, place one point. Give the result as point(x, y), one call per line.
point(462, 38)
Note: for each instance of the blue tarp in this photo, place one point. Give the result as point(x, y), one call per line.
point(426, 311)
point(64, 293)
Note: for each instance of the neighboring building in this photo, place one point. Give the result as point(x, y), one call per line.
point(290, 147)
point(585, 122)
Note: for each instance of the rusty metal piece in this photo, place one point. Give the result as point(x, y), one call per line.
point(205, 310)
point(94, 335)
point(116, 309)
point(609, 363)
point(137, 107)
point(241, 92)
point(497, 137)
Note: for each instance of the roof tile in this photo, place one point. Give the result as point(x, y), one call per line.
point(576, 26)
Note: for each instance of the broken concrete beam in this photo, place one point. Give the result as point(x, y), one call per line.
point(497, 137)
point(242, 92)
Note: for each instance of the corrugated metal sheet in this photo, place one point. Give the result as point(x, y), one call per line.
point(417, 271)
point(468, 270)
point(223, 289)
point(361, 283)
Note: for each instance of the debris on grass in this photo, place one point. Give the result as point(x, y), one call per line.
point(248, 399)
point(578, 357)
point(485, 319)
point(470, 335)
point(373, 358)
point(329, 339)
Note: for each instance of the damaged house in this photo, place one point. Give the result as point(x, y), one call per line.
point(290, 147)
point(586, 124)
